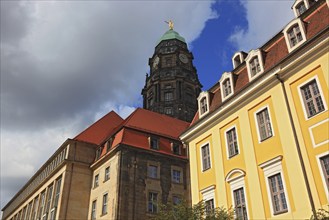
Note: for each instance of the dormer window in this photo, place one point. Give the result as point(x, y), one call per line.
point(294, 34)
point(255, 63)
point(176, 149)
point(238, 58)
point(300, 6)
point(203, 103)
point(226, 84)
point(154, 143)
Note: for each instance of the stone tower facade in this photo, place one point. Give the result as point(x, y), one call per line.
point(172, 87)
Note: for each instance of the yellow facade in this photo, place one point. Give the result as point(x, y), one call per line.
point(292, 151)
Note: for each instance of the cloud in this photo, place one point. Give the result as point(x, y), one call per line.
point(66, 63)
point(265, 19)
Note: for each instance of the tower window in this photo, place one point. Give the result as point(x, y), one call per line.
point(168, 96)
point(168, 61)
point(168, 111)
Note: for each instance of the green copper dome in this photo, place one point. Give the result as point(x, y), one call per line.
point(171, 34)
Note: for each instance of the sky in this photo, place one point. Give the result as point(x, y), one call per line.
point(65, 64)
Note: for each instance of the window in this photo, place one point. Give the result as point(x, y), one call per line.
point(168, 96)
point(209, 206)
point(42, 203)
point(109, 144)
point(204, 106)
point(154, 143)
point(325, 168)
point(93, 210)
point(205, 153)
point(168, 61)
point(240, 204)
point(264, 124)
point(107, 174)
point(150, 102)
point(176, 148)
point(312, 98)
point(35, 207)
point(227, 89)
point(295, 36)
point(57, 192)
point(275, 184)
point(96, 181)
point(277, 193)
point(232, 143)
point(152, 171)
point(168, 111)
point(29, 208)
point(254, 66)
point(104, 207)
point(176, 200)
point(203, 103)
point(49, 197)
point(176, 175)
point(301, 8)
point(238, 58)
point(152, 206)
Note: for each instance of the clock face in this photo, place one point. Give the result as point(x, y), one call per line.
point(156, 62)
point(183, 58)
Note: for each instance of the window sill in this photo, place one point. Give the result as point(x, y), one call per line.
point(280, 212)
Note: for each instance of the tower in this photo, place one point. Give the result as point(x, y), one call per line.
point(172, 87)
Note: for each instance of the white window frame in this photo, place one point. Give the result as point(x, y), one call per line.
point(174, 180)
point(208, 193)
point(96, 183)
point(224, 77)
point(241, 57)
point(93, 211)
point(106, 203)
point(302, 100)
point(256, 123)
point(301, 26)
point(201, 158)
point(236, 180)
point(203, 94)
point(252, 54)
point(321, 171)
point(237, 140)
point(107, 175)
point(297, 2)
point(271, 168)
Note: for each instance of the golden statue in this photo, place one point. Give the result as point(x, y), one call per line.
point(171, 24)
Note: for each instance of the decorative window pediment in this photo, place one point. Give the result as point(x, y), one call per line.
point(226, 85)
point(238, 58)
point(294, 34)
point(255, 63)
point(203, 103)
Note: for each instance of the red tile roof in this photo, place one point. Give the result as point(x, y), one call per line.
point(140, 125)
point(100, 130)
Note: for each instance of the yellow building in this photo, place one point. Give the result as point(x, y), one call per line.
point(260, 140)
